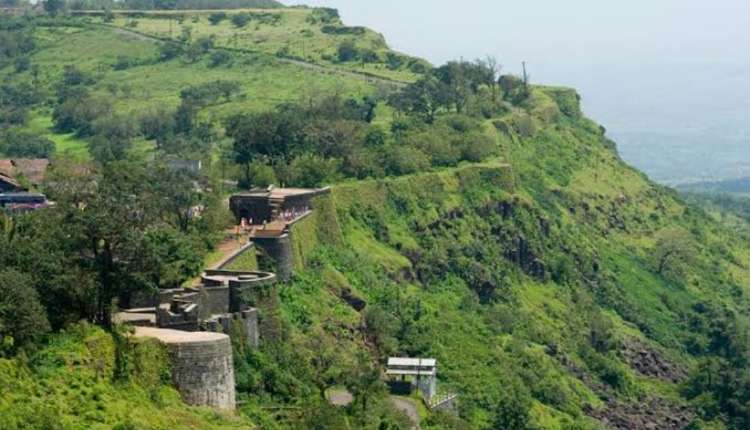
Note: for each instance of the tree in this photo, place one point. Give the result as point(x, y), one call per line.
point(53, 7)
point(240, 19)
point(266, 134)
point(347, 51)
point(308, 170)
point(512, 87)
point(217, 17)
point(183, 196)
point(23, 144)
point(219, 58)
point(106, 218)
point(512, 412)
point(22, 317)
point(175, 256)
point(157, 124)
point(113, 137)
point(168, 51)
point(325, 361)
point(364, 382)
point(423, 98)
point(674, 250)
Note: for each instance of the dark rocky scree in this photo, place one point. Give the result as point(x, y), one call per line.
point(655, 414)
point(651, 363)
point(352, 300)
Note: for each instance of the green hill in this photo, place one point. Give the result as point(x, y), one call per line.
point(491, 226)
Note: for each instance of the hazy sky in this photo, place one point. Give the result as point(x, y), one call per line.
point(655, 66)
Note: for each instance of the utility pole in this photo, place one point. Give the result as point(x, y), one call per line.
point(525, 81)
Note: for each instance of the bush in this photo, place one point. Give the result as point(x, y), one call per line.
point(168, 51)
point(216, 18)
point(219, 58)
point(77, 114)
point(369, 56)
point(22, 64)
point(394, 61)
point(240, 19)
point(404, 160)
point(348, 51)
point(124, 62)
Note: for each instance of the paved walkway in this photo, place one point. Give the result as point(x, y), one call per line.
point(232, 245)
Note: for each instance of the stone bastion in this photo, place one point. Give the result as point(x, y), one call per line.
point(201, 363)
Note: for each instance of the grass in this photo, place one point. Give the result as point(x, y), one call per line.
point(265, 82)
point(70, 384)
point(294, 36)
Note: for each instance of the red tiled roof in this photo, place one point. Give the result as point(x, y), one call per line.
point(6, 168)
point(33, 169)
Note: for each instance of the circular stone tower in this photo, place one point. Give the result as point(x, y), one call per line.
point(202, 368)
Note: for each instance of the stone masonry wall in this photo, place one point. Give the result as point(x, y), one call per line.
point(280, 249)
point(202, 368)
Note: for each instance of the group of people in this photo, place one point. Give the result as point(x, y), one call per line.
point(287, 215)
point(292, 214)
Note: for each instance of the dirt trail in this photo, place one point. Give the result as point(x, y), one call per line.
point(408, 407)
point(301, 63)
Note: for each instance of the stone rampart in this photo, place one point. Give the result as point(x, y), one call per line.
point(201, 363)
point(280, 250)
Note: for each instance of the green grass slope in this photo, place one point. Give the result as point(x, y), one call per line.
point(76, 382)
point(533, 281)
point(311, 35)
point(149, 84)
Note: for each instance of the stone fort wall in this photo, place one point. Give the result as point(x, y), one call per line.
point(201, 365)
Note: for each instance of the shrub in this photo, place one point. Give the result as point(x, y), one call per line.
point(168, 51)
point(347, 51)
point(477, 147)
point(22, 64)
point(124, 62)
point(240, 19)
point(404, 160)
point(524, 125)
point(216, 18)
point(394, 60)
point(369, 56)
point(219, 58)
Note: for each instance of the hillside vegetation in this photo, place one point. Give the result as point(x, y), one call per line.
point(474, 218)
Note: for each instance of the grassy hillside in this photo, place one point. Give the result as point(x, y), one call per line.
point(557, 287)
point(533, 281)
point(306, 34)
point(149, 83)
point(69, 385)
